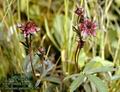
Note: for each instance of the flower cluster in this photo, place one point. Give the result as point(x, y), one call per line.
point(28, 28)
point(86, 27)
point(79, 11)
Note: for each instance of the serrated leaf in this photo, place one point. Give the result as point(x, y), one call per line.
point(97, 62)
point(92, 64)
point(77, 82)
point(100, 69)
point(100, 85)
point(102, 61)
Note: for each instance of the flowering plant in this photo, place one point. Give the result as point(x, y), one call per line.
point(85, 27)
point(28, 28)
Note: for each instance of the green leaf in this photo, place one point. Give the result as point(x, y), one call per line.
point(97, 64)
point(87, 87)
point(100, 85)
point(71, 76)
point(102, 61)
point(82, 58)
point(58, 25)
point(77, 82)
point(27, 64)
point(52, 79)
point(50, 35)
point(115, 77)
point(100, 69)
point(92, 64)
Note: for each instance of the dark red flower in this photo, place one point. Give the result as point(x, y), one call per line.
point(87, 27)
point(79, 11)
point(28, 28)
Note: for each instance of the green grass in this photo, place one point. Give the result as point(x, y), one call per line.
point(56, 18)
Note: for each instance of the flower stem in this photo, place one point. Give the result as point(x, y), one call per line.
point(76, 58)
point(78, 49)
point(30, 53)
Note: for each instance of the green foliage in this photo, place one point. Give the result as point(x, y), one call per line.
point(77, 82)
point(99, 59)
point(88, 76)
point(100, 85)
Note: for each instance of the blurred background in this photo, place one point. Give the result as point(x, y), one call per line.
point(55, 18)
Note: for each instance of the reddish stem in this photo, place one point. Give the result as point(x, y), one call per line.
point(30, 53)
point(76, 58)
point(78, 49)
